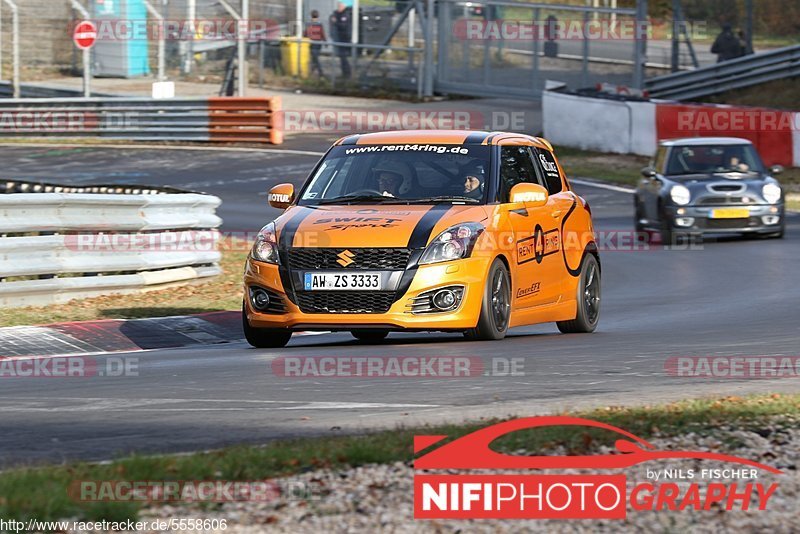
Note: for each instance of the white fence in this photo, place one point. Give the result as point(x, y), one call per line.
point(55, 247)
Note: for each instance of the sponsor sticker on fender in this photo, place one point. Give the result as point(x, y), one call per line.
point(529, 494)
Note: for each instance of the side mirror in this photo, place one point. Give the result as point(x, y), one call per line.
point(281, 196)
point(776, 169)
point(532, 195)
point(649, 172)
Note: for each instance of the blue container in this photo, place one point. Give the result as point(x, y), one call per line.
point(122, 45)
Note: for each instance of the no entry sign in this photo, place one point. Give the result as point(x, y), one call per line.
point(85, 35)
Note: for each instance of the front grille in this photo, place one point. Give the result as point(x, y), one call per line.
point(727, 224)
point(717, 201)
point(725, 188)
point(345, 301)
point(385, 259)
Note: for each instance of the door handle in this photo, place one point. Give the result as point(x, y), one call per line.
point(556, 214)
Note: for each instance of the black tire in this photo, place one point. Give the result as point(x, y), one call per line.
point(588, 314)
point(370, 336)
point(778, 234)
point(265, 338)
point(668, 237)
point(637, 216)
point(496, 307)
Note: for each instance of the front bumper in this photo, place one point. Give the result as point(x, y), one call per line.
point(469, 273)
point(761, 219)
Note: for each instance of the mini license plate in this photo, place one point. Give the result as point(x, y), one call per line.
point(364, 281)
point(730, 213)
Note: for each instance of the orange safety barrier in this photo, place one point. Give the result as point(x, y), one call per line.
point(244, 120)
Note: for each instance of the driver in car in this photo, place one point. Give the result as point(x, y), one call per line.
point(473, 183)
point(734, 161)
point(389, 183)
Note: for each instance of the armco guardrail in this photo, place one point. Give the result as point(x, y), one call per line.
point(734, 74)
point(215, 119)
point(55, 247)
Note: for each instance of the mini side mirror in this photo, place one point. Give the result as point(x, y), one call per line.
point(281, 196)
point(776, 169)
point(649, 172)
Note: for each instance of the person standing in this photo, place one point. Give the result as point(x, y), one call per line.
point(341, 31)
point(316, 32)
point(727, 45)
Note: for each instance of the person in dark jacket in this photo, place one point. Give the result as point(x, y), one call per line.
point(727, 45)
point(316, 32)
point(341, 30)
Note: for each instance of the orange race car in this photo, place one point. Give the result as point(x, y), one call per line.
point(465, 231)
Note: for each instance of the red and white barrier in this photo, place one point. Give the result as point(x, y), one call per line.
point(635, 127)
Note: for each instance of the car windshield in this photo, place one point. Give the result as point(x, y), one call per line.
point(706, 159)
point(400, 174)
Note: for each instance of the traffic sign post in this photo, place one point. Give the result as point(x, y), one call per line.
point(85, 36)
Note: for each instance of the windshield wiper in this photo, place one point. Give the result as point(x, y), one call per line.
point(356, 198)
point(448, 198)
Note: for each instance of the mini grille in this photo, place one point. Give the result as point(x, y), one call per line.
point(345, 302)
point(727, 223)
point(388, 259)
point(723, 187)
point(717, 201)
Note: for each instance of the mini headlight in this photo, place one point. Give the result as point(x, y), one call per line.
point(454, 243)
point(771, 192)
point(266, 246)
point(680, 195)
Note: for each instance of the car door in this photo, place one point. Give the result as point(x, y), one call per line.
point(536, 279)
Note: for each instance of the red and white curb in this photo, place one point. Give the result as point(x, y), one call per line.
point(121, 335)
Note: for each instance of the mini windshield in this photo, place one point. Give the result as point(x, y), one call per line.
point(705, 159)
point(400, 174)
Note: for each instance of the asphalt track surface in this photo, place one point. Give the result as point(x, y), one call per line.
point(733, 297)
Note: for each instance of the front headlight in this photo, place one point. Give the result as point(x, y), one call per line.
point(771, 192)
point(454, 243)
point(680, 195)
point(266, 246)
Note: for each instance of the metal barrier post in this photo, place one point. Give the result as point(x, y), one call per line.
point(428, 89)
point(536, 14)
point(242, 24)
point(640, 48)
point(161, 39)
point(14, 45)
point(585, 62)
point(87, 54)
point(261, 44)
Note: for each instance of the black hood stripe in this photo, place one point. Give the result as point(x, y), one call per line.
point(352, 140)
point(422, 231)
point(476, 138)
point(289, 230)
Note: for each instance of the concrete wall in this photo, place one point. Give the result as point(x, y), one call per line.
point(621, 127)
point(599, 124)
